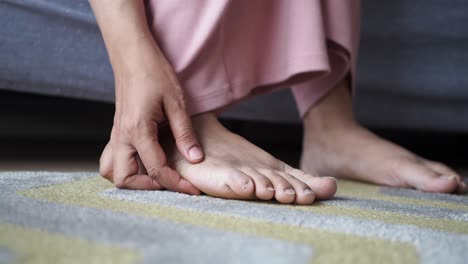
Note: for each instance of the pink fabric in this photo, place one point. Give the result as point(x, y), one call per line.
point(222, 50)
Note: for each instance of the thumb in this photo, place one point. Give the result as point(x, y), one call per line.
point(184, 134)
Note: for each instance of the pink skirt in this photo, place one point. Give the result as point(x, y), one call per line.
point(224, 51)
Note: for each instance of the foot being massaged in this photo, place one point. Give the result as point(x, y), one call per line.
point(178, 64)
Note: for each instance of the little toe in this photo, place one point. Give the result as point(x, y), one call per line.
point(422, 177)
point(323, 187)
point(304, 194)
point(264, 189)
point(284, 191)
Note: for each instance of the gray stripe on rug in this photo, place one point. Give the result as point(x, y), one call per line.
point(409, 193)
point(7, 256)
point(435, 246)
point(407, 209)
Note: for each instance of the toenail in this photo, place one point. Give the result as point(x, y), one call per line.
point(328, 177)
point(308, 191)
point(289, 191)
point(270, 188)
point(449, 178)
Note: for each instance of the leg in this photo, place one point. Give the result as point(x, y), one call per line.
point(334, 144)
point(236, 169)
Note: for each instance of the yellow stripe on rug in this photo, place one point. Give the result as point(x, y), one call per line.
point(326, 244)
point(369, 191)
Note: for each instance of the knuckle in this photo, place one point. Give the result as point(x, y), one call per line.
point(179, 98)
point(135, 128)
point(186, 134)
point(178, 105)
point(154, 172)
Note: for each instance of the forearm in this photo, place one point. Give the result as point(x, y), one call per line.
point(126, 34)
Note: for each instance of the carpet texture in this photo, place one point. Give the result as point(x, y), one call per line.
point(51, 217)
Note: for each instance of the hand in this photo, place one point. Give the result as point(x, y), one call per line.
point(146, 96)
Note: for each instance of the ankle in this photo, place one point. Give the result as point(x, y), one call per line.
point(317, 122)
point(335, 111)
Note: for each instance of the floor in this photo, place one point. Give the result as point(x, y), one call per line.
point(52, 154)
point(59, 217)
point(58, 211)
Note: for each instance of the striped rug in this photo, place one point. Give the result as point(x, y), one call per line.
point(52, 217)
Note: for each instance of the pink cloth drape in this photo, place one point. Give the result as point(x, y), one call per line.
point(222, 50)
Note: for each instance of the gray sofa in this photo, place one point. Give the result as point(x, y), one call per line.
point(412, 74)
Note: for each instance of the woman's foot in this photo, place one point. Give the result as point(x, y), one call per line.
point(236, 169)
point(334, 144)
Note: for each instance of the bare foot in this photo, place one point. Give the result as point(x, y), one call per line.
point(236, 169)
point(334, 144)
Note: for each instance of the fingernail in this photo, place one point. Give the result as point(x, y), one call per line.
point(449, 178)
point(195, 152)
point(308, 191)
point(270, 188)
point(290, 191)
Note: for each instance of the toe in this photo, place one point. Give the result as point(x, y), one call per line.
point(264, 189)
point(323, 187)
point(304, 194)
point(422, 177)
point(231, 184)
point(445, 170)
point(242, 185)
point(284, 191)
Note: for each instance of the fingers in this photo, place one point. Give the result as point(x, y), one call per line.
point(154, 160)
point(106, 170)
point(125, 171)
point(105, 163)
point(184, 134)
point(123, 166)
point(127, 178)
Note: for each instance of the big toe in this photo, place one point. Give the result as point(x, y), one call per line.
point(424, 178)
point(323, 187)
point(447, 171)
